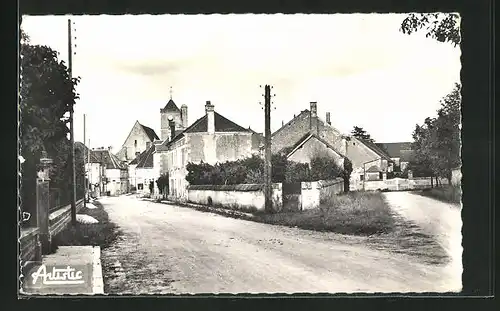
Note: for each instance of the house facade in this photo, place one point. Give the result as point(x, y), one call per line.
point(95, 171)
point(321, 137)
point(400, 152)
point(139, 139)
point(116, 179)
point(210, 139)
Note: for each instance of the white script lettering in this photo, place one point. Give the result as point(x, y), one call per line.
point(67, 275)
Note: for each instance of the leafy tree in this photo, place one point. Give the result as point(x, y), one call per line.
point(437, 142)
point(324, 168)
point(359, 132)
point(163, 183)
point(47, 93)
point(444, 27)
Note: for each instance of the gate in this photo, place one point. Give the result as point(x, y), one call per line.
point(291, 196)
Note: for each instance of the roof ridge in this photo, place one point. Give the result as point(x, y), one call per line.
point(295, 117)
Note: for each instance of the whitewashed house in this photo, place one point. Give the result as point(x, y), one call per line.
point(116, 181)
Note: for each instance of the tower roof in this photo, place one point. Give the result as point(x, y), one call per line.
point(171, 106)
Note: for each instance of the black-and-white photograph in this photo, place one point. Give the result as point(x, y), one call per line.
point(240, 153)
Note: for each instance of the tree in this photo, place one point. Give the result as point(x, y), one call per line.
point(359, 132)
point(437, 142)
point(444, 27)
point(163, 184)
point(47, 92)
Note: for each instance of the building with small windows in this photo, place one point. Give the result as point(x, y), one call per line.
point(210, 139)
point(116, 179)
point(139, 139)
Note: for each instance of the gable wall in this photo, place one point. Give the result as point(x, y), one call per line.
point(314, 147)
point(138, 134)
point(291, 133)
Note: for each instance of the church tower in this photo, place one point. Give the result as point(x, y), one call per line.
point(179, 116)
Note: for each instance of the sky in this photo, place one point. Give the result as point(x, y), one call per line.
point(358, 67)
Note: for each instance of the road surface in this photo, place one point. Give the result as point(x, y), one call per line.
point(441, 220)
point(170, 249)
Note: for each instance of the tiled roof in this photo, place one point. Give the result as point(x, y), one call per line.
point(150, 132)
point(394, 149)
point(373, 169)
point(308, 136)
point(146, 158)
point(138, 158)
point(376, 149)
point(171, 106)
point(222, 124)
point(289, 122)
point(406, 156)
point(110, 160)
point(90, 157)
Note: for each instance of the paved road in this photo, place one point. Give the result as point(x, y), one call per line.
point(169, 249)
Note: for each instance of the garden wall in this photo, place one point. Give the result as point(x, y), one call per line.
point(243, 196)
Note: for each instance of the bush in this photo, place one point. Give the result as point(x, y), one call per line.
point(357, 213)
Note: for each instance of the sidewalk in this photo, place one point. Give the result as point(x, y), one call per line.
point(71, 270)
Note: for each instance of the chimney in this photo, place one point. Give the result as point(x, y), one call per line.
point(314, 118)
point(184, 116)
point(328, 118)
point(109, 148)
point(209, 110)
point(171, 124)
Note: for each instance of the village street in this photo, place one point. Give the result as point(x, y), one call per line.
point(169, 249)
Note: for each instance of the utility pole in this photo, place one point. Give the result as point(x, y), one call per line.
point(267, 146)
point(85, 177)
point(71, 130)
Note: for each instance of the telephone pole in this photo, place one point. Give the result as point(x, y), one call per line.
point(71, 130)
point(267, 146)
point(85, 177)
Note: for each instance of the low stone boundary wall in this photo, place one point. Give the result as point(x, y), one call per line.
point(62, 217)
point(313, 193)
point(243, 196)
point(30, 247)
point(396, 184)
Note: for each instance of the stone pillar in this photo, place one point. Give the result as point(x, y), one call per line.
point(310, 195)
point(384, 176)
point(410, 174)
point(43, 203)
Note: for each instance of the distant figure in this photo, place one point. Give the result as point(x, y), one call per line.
point(151, 187)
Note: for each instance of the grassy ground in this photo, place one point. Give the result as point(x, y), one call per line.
point(100, 234)
point(356, 213)
point(445, 193)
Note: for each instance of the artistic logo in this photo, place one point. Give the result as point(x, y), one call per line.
point(65, 276)
point(47, 278)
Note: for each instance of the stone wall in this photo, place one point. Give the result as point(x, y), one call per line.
point(245, 196)
point(395, 184)
point(315, 192)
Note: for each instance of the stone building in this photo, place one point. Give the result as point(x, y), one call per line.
point(307, 134)
point(211, 139)
point(139, 139)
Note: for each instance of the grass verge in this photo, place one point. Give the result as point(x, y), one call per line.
point(99, 234)
point(355, 213)
point(445, 193)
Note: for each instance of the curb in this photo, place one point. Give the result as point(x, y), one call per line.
point(97, 281)
point(219, 211)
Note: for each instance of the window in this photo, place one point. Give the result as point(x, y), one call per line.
point(135, 143)
point(140, 186)
point(361, 177)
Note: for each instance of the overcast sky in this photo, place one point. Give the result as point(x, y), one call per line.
point(359, 67)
